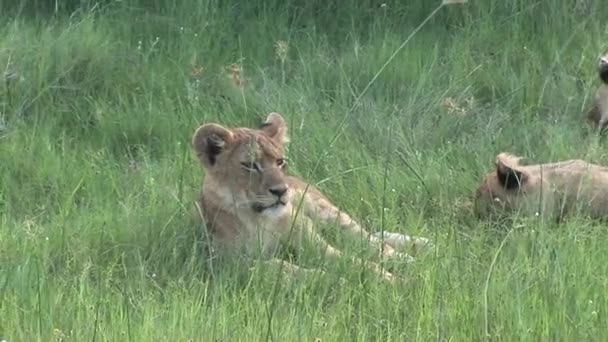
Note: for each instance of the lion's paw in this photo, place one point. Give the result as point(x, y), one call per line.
point(402, 242)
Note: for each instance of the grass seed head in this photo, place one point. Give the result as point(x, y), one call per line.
point(281, 49)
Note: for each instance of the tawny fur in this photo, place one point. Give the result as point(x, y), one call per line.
point(252, 207)
point(550, 190)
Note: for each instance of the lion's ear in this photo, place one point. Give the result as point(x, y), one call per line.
point(209, 141)
point(509, 177)
point(276, 128)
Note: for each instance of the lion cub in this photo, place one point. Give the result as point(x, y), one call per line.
point(548, 190)
point(250, 204)
point(598, 114)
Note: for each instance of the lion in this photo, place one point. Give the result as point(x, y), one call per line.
point(250, 205)
point(598, 115)
point(549, 190)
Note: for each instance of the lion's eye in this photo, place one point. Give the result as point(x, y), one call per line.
point(281, 162)
point(251, 166)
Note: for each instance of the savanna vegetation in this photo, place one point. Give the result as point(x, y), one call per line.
point(396, 109)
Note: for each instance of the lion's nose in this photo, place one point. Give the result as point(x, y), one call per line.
point(278, 191)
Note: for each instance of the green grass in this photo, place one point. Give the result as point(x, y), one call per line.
point(97, 177)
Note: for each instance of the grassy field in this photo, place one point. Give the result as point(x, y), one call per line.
point(97, 108)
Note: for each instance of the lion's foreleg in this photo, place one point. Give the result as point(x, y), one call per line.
point(325, 211)
point(289, 267)
point(334, 254)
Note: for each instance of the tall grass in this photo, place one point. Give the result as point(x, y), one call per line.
point(99, 102)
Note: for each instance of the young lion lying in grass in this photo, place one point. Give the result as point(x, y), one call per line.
point(250, 205)
point(550, 190)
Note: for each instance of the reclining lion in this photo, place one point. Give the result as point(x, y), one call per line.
point(251, 206)
point(549, 190)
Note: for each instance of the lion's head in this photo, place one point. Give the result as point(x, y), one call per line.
point(511, 187)
point(246, 166)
